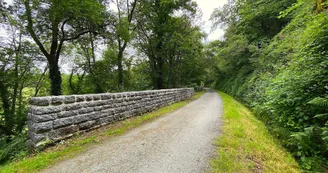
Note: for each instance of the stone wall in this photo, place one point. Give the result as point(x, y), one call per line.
point(55, 118)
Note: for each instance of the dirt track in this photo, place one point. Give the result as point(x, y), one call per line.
point(181, 141)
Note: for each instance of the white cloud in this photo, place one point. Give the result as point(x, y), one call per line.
point(207, 7)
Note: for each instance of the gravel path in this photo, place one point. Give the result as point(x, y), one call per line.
point(181, 141)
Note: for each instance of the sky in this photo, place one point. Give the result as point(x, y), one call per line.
point(207, 7)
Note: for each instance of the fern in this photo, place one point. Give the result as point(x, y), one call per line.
point(8, 150)
point(321, 116)
point(318, 101)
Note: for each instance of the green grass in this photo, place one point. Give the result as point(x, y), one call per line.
point(78, 144)
point(245, 144)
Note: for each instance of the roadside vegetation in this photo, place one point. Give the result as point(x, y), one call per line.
point(274, 60)
point(246, 145)
point(79, 143)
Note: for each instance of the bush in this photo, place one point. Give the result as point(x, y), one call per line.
point(13, 150)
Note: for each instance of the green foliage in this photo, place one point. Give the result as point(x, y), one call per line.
point(123, 30)
point(280, 70)
point(16, 149)
point(290, 9)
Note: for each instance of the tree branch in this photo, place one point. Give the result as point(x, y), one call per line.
point(118, 9)
point(38, 86)
point(62, 39)
point(130, 15)
point(62, 28)
point(30, 28)
point(78, 35)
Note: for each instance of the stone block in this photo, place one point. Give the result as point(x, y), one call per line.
point(94, 103)
point(99, 103)
point(87, 125)
point(63, 122)
point(105, 120)
point(44, 110)
point(107, 113)
point(39, 101)
point(80, 98)
point(81, 118)
point(112, 105)
point(35, 138)
point(118, 95)
point(74, 106)
point(94, 116)
point(40, 127)
point(57, 100)
point(43, 118)
point(85, 110)
point(69, 99)
point(106, 96)
point(96, 97)
point(63, 133)
point(98, 108)
point(88, 97)
point(67, 113)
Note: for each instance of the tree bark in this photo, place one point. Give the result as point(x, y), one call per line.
point(160, 83)
point(55, 76)
point(6, 108)
point(39, 84)
point(120, 67)
point(98, 88)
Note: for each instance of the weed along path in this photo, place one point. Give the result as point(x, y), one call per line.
point(181, 141)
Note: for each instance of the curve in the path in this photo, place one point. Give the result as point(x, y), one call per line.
point(181, 141)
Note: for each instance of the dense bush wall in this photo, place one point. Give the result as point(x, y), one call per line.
point(281, 75)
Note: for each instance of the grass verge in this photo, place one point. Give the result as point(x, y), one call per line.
point(82, 142)
point(245, 144)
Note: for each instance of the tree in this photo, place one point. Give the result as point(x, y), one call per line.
point(183, 53)
point(156, 28)
point(61, 21)
point(124, 29)
point(17, 66)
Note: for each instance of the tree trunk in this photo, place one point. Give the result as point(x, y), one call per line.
point(170, 80)
point(20, 113)
point(98, 88)
point(6, 108)
point(160, 74)
point(159, 83)
point(39, 84)
point(120, 69)
point(70, 82)
point(15, 87)
point(55, 76)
